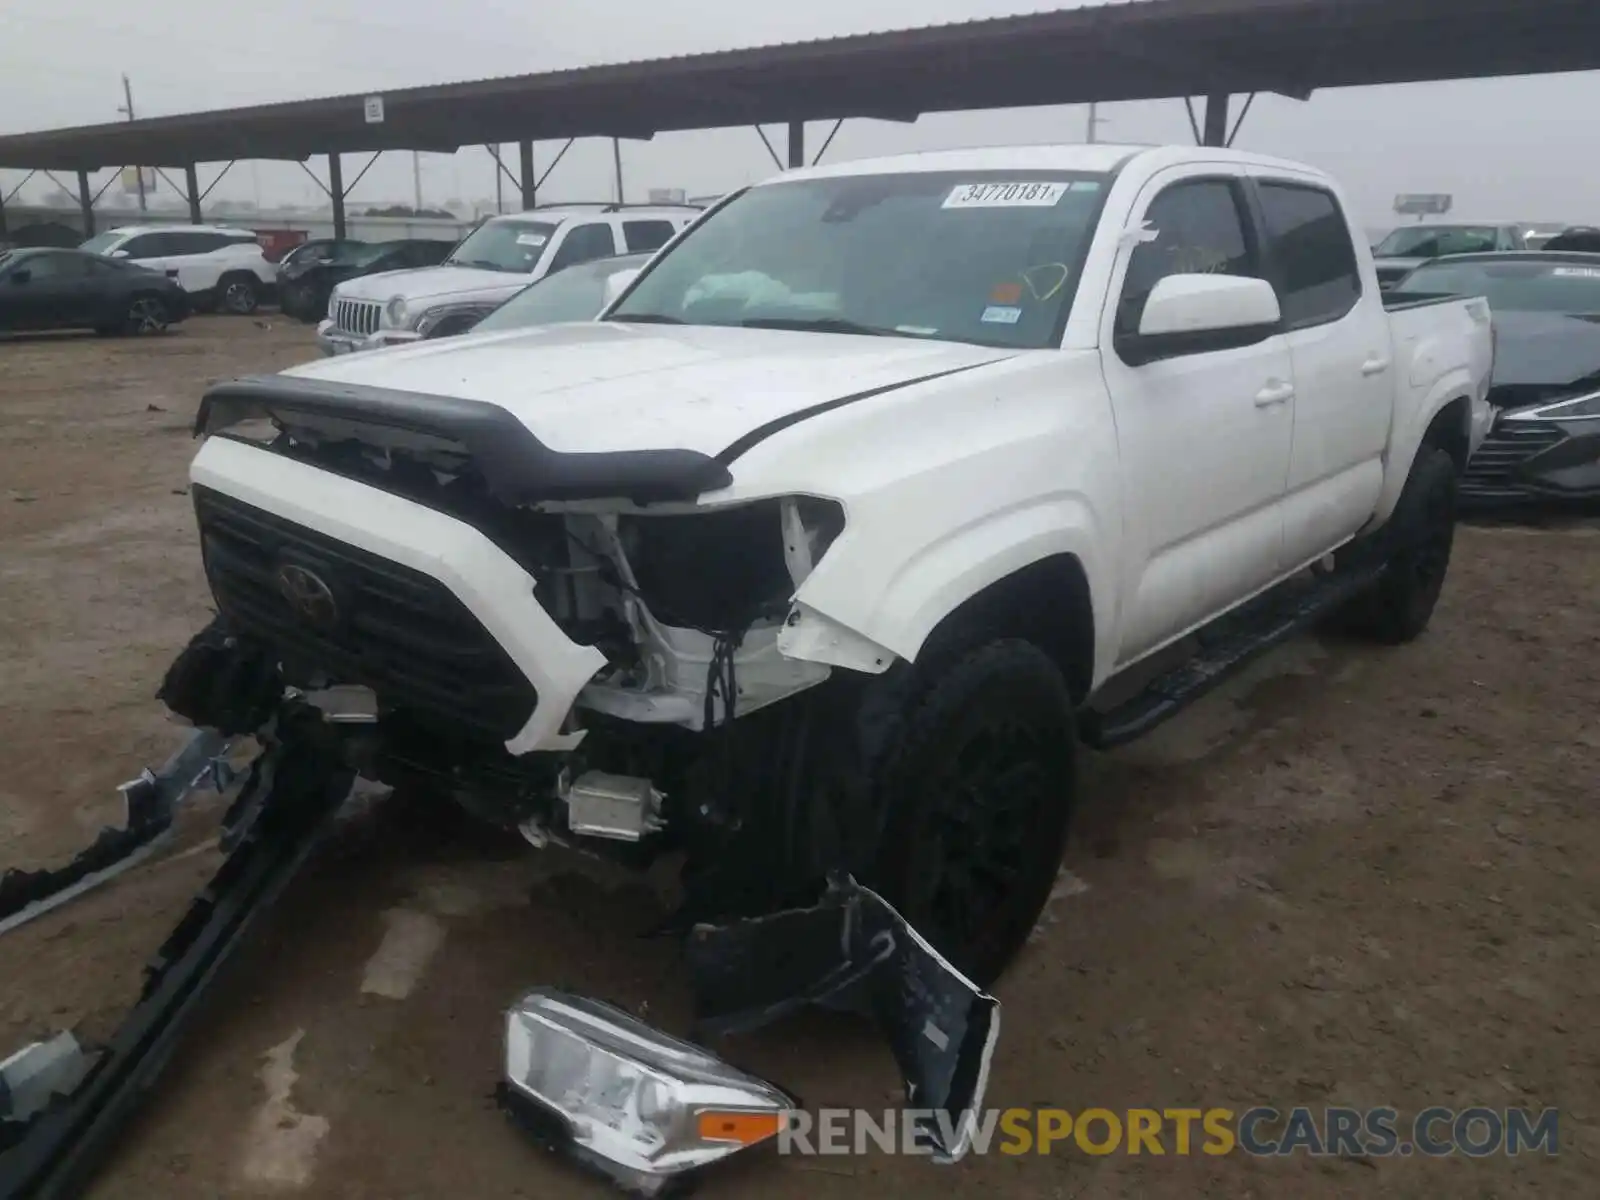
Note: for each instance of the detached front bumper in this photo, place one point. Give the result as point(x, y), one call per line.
point(354, 517)
point(332, 340)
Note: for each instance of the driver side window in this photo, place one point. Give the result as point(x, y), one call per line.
point(1199, 229)
point(584, 243)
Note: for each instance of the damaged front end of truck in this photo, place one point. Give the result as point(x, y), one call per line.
point(415, 591)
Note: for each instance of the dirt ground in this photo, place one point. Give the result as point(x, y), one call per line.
point(1356, 877)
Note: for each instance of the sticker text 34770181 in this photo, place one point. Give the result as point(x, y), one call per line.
point(1039, 194)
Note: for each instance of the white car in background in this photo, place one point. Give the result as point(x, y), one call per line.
point(219, 267)
point(493, 263)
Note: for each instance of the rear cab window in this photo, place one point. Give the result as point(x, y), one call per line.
point(1314, 264)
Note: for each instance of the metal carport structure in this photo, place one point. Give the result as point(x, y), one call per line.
point(1144, 50)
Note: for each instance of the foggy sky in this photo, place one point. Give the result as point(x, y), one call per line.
point(1513, 149)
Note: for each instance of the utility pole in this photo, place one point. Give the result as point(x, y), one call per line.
point(616, 160)
point(1092, 126)
point(127, 93)
point(416, 180)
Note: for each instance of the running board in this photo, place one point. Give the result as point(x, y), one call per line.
point(1225, 646)
point(50, 1152)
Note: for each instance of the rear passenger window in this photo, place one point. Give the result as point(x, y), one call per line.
point(1318, 280)
point(176, 244)
point(647, 235)
point(1199, 230)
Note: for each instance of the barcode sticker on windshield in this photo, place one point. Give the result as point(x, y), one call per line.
point(1004, 195)
point(531, 239)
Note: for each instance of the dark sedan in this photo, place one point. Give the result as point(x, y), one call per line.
point(1545, 441)
point(306, 282)
point(69, 289)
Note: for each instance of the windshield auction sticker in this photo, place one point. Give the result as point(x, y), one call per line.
point(1004, 195)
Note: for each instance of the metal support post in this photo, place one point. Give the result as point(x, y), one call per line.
point(191, 183)
point(1216, 127)
point(797, 144)
point(530, 186)
point(336, 194)
point(85, 204)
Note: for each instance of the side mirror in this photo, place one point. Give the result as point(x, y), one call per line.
point(119, 254)
point(22, 275)
point(1193, 314)
point(617, 284)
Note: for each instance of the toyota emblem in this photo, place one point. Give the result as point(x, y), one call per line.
point(308, 595)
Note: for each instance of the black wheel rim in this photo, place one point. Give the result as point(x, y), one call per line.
point(238, 297)
point(147, 316)
point(975, 842)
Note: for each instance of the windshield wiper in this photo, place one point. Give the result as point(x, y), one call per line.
point(648, 319)
point(482, 263)
point(818, 325)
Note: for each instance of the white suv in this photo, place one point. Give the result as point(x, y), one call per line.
point(219, 267)
point(493, 263)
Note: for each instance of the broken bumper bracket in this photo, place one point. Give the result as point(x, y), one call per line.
point(149, 803)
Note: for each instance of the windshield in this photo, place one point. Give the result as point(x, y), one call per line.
point(346, 251)
point(513, 246)
point(1435, 241)
point(983, 257)
point(1514, 286)
point(362, 254)
point(576, 294)
point(101, 242)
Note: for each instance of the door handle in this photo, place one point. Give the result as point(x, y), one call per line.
point(1274, 393)
point(1376, 365)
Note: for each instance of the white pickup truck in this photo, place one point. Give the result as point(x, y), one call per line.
point(493, 263)
point(826, 543)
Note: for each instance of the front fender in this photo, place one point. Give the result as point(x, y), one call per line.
point(854, 627)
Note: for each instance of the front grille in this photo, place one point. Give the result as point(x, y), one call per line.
point(397, 631)
point(1492, 471)
point(357, 316)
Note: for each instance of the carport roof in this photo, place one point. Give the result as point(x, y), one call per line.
point(1148, 49)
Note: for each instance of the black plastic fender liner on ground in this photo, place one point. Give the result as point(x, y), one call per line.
point(54, 1154)
point(852, 949)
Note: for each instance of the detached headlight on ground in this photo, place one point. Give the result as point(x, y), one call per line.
point(638, 1105)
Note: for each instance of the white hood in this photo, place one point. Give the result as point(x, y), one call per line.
point(434, 283)
point(607, 386)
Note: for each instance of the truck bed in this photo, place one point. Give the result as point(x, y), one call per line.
point(1401, 301)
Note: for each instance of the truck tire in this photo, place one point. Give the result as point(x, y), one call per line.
point(239, 293)
point(1417, 544)
point(978, 786)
